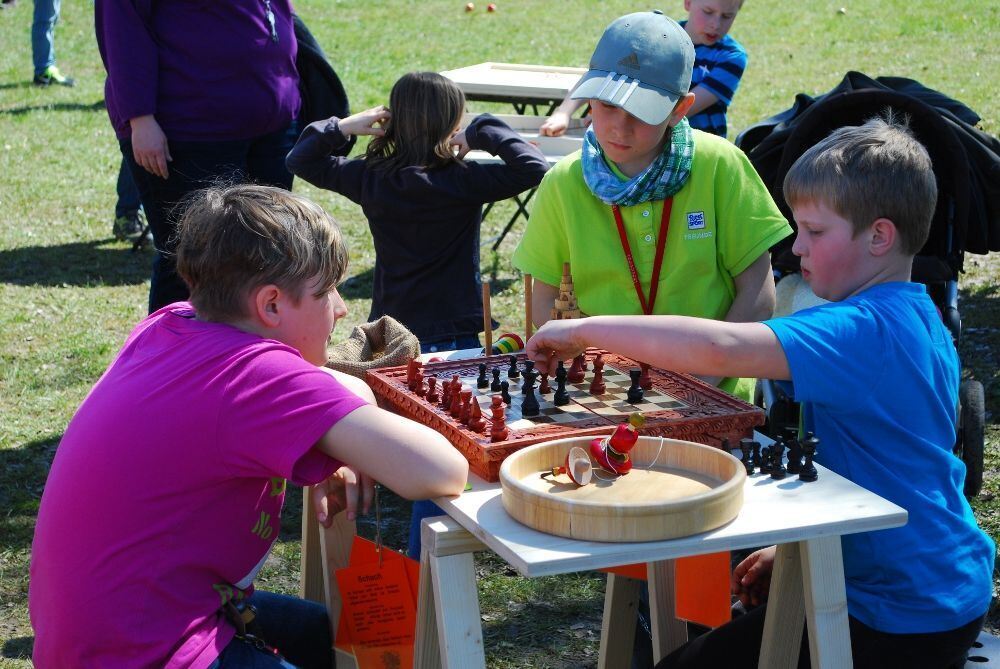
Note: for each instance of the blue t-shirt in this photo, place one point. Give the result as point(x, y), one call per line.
point(718, 67)
point(878, 378)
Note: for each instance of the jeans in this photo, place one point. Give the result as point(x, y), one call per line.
point(456, 343)
point(43, 26)
point(297, 628)
point(197, 165)
point(128, 195)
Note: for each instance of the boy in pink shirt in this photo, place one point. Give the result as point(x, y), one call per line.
point(166, 491)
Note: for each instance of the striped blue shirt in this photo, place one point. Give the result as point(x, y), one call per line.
point(718, 67)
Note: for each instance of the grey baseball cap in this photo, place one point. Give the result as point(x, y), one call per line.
point(642, 64)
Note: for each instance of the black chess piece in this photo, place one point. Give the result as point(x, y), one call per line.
point(756, 460)
point(746, 446)
point(562, 396)
point(794, 465)
point(808, 472)
point(777, 451)
point(529, 368)
point(765, 460)
point(505, 392)
point(634, 394)
point(513, 372)
point(529, 405)
point(495, 386)
point(482, 381)
point(726, 447)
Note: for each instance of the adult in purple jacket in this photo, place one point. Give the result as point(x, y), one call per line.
point(197, 92)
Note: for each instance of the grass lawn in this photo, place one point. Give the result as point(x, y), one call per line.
point(70, 293)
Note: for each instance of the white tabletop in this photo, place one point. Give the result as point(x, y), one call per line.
point(773, 512)
point(553, 148)
point(529, 82)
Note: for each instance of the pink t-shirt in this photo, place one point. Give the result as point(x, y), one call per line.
point(166, 491)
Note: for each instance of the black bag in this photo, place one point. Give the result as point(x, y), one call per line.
point(764, 143)
point(322, 93)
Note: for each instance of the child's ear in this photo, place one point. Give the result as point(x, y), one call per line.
point(265, 302)
point(883, 237)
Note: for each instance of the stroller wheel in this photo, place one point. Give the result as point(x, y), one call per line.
point(969, 445)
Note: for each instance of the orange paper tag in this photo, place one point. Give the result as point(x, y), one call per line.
point(378, 617)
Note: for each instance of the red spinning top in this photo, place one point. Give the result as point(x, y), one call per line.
point(612, 453)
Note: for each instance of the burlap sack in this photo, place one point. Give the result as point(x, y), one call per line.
point(382, 343)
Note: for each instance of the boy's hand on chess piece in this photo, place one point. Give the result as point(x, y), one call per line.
point(368, 122)
point(752, 578)
point(555, 341)
point(342, 491)
point(459, 145)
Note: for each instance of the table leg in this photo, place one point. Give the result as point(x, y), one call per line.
point(311, 563)
point(785, 611)
point(621, 599)
point(826, 603)
point(808, 579)
point(669, 633)
point(449, 629)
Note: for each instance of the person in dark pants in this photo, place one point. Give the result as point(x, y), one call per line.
point(197, 94)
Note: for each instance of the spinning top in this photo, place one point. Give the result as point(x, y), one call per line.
point(577, 467)
point(612, 453)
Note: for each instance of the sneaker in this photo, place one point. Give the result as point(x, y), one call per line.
point(52, 75)
point(128, 227)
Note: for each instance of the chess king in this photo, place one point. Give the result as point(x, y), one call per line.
point(612, 453)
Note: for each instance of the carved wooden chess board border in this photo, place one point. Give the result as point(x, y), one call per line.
point(708, 416)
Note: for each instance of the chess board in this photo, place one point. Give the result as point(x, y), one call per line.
point(677, 406)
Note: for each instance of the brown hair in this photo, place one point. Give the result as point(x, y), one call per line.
point(426, 107)
point(875, 170)
point(233, 239)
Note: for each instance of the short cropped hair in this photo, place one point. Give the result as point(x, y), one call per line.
point(875, 170)
point(231, 240)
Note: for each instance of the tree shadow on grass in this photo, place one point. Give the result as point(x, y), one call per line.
point(23, 471)
point(98, 262)
point(359, 286)
point(53, 106)
point(19, 648)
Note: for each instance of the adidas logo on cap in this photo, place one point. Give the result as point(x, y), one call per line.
point(630, 62)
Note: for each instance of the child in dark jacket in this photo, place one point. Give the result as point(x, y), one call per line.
point(422, 201)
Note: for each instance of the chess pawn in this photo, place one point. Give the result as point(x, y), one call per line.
point(597, 385)
point(456, 402)
point(562, 395)
point(432, 393)
point(746, 448)
point(476, 421)
point(482, 382)
point(575, 374)
point(777, 468)
point(544, 387)
point(464, 416)
point(505, 392)
point(495, 384)
point(645, 382)
point(419, 388)
point(808, 471)
point(794, 465)
point(498, 431)
point(513, 372)
point(446, 387)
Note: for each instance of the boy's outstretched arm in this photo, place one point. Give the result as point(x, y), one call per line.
point(413, 460)
point(679, 343)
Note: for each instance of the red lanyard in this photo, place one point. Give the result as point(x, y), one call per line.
point(661, 242)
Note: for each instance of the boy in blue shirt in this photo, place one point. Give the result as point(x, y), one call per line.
point(877, 375)
point(719, 61)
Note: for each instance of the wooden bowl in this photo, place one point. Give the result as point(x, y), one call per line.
point(675, 489)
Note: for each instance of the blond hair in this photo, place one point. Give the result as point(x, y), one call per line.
point(863, 173)
point(233, 239)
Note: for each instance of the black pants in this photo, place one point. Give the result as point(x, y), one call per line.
point(737, 644)
point(196, 165)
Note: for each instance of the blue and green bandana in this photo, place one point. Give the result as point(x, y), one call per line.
point(665, 176)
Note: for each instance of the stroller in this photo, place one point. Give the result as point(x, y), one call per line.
point(967, 216)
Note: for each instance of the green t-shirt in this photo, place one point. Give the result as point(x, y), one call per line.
point(722, 220)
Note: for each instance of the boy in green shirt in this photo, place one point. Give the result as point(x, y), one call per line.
point(653, 217)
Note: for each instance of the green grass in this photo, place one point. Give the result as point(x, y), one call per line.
point(69, 293)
